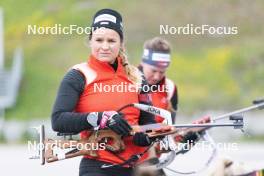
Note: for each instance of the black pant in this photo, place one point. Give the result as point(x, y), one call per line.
point(89, 167)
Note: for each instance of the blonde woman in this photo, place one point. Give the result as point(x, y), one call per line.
point(80, 107)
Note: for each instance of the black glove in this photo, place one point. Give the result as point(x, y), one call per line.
point(110, 119)
point(115, 122)
point(191, 137)
point(141, 139)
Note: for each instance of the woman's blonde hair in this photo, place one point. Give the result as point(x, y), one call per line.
point(132, 72)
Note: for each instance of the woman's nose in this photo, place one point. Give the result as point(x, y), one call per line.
point(105, 46)
point(157, 76)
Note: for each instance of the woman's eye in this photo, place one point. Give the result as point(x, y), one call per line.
point(99, 40)
point(111, 41)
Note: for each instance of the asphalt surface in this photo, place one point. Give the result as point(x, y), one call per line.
point(14, 160)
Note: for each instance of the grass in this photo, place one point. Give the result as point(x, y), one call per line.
point(211, 72)
point(255, 138)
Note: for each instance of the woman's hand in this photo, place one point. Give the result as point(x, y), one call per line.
point(114, 121)
point(141, 139)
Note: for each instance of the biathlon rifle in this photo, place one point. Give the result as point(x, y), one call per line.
point(46, 152)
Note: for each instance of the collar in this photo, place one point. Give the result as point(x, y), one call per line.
point(104, 66)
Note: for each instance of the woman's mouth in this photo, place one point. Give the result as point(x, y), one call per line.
point(105, 53)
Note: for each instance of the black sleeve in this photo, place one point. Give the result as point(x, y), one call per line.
point(63, 118)
point(174, 99)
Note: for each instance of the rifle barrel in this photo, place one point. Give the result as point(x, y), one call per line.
point(238, 111)
point(208, 125)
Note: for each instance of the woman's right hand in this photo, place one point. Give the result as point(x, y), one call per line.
point(111, 119)
point(117, 123)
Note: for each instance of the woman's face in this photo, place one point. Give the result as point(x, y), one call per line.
point(105, 44)
point(153, 74)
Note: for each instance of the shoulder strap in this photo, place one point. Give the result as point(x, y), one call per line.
point(88, 72)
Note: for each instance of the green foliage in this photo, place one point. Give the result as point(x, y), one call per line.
point(218, 78)
point(211, 73)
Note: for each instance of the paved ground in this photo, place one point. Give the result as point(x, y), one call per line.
point(252, 155)
point(14, 161)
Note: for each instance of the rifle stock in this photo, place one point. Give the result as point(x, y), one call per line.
point(94, 139)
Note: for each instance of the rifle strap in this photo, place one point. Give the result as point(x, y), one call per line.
point(131, 161)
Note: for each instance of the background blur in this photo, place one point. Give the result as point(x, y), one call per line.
point(214, 73)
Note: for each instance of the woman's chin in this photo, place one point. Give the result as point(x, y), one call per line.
point(152, 82)
point(105, 59)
